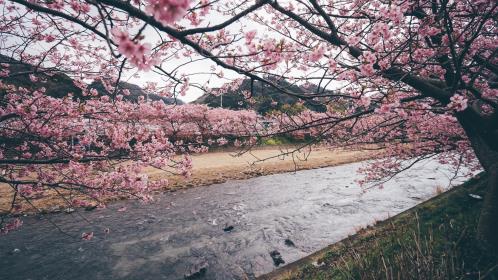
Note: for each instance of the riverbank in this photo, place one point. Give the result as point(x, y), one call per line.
point(218, 167)
point(433, 240)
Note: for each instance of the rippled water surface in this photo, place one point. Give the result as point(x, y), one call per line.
point(182, 233)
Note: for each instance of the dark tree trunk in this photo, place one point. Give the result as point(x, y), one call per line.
point(484, 147)
point(487, 229)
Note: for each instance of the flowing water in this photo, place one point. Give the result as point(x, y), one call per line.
point(223, 231)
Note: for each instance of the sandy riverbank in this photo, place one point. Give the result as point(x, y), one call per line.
point(220, 166)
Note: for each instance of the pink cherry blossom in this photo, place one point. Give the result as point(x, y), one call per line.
point(458, 102)
point(138, 54)
point(317, 53)
point(11, 225)
point(167, 11)
point(87, 236)
point(249, 36)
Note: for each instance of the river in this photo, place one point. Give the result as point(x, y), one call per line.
point(223, 231)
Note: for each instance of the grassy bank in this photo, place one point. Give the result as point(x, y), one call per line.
point(435, 240)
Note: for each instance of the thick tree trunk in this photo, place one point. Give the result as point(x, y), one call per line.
point(487, 229)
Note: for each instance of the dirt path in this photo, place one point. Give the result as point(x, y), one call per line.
point(218, 167)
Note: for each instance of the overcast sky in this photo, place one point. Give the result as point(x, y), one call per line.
point(204, 66)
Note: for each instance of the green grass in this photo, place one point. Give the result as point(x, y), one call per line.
point(435, 240)
point(279, 140)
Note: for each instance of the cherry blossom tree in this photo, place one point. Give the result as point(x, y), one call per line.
point(417, 79)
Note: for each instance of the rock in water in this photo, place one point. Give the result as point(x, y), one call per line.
point(197, 272)
point(277, 258)
point(228, 229)
point(91, 208)
point(289, 243)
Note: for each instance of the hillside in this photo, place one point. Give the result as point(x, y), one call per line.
point(58, 84)
point(135, 92)
point(266, 98)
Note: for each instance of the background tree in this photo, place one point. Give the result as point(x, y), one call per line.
point(418, 77)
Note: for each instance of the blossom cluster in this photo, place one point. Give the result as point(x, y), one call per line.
point(458, 102)
point(138, 54)
point(167, 11)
